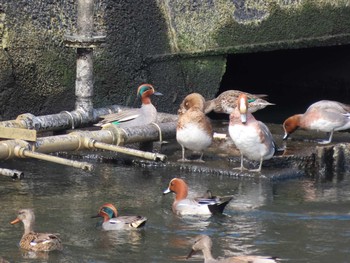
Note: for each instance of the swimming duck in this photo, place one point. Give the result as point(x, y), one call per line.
point(135, 117)
point(252, 138)
point(198, 206)
point(111, 220)
point(32, 240)
point(226, 102)
point(193, 130)
point(324, 115)
point(203, 243)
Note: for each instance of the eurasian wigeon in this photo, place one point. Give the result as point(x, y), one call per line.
point(203, 243)
point(134, 117)
point(207, 205)
point(253, 138)
point(33, 240)
point(194, 130)
point(111, 220)
point(226, 102)
point(324, 115)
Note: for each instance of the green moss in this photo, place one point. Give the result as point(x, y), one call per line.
point(217, 24)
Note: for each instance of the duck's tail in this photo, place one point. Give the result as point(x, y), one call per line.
point(140, 221)
point(219, 207)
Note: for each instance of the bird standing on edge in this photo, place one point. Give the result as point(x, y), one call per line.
point(198, 206)
point(252, 138)
point(193, 130)
point(203, 243)
point(32, 240)
point(135, 117)
point(111, 220)
point(325, 115)
point(226, 102)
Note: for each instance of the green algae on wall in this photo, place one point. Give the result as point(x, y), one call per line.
point(207, 24)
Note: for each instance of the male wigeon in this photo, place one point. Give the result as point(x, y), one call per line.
point(33, 240)
point(203, 243)
point(111, 220)
point(252, 138)
point(227, 100)
point(135, 117)
point(194, 130)
point(182, 205)
point(324, 115)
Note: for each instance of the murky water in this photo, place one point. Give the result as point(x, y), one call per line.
point(298, 220)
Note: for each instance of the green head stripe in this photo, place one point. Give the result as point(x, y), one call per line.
point(251, 100)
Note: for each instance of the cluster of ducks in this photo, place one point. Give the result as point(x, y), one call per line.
point(252, 137)
point(182, 205)
point(194, 132)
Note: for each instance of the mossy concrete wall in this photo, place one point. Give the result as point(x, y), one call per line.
point(179, 46)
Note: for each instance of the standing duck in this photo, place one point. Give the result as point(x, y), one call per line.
point(182, 205)
point(252, 138)
point(193, 130)
point(135, 117)
point(203, 243)
point(32, 240)
point(226, 102)
point(111, 220)
point(325, 115)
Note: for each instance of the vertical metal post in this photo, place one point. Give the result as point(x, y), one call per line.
point(84, 82)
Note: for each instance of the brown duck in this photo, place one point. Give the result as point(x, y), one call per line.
point(32, 240)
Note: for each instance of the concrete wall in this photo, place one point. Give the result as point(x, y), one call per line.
point(179, 46)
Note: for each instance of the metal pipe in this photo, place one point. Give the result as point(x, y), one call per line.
point(59, 121)
point(80, 140)
point(133, 152)
point(84, 82)
point(23, 153)
point(69, 119)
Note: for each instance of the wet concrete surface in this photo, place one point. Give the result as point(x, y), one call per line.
point(301, 155)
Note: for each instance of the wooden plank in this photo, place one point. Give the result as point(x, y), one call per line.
point(17, 133)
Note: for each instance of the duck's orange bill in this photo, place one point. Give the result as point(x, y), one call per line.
point(15, 221)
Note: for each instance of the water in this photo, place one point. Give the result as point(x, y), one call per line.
point(298, 220)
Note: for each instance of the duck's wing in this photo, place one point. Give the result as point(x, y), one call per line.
point(330, 105)
point(251, 259)
point(119, 117)
point(131, 221)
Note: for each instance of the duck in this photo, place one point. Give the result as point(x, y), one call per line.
point(194, 130)
point(226, 102)
point(134, 117)
point(111, 220)
point(32, 240)
point(253, 138)
point(204, 243)
point(325, 115)
point(207, 205)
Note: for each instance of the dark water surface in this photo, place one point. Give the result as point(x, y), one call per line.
point(298, 220)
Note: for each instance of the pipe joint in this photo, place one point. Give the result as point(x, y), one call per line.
point(117, 133)
point(28, 121)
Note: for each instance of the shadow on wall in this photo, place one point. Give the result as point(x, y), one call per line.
point(135, 30)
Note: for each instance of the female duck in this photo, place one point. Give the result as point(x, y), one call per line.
point(32, 240)
point(203, 243)
point(193, 130)
point(199, 206)
point(226, 102)
point(111, 220)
